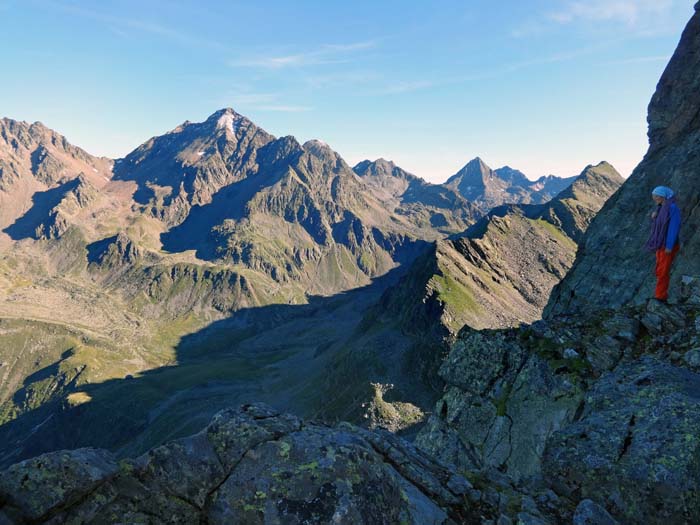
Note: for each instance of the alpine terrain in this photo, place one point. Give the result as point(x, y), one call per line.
point(215, 264)
point(182, 331)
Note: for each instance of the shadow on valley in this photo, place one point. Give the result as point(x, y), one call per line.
point(316, 360)
point(43, 202)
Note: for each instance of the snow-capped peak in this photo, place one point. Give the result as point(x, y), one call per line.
point(227, 121)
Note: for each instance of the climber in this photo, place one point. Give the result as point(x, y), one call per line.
point(666, 223)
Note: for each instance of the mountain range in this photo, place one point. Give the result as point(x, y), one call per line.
point(234, 266)
point(148, 304)
point(490, 188)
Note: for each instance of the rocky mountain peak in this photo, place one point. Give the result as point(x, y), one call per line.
point(381, 168)
point(228, 120)
point(476, 170)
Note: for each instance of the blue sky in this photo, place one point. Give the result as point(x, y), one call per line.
point(544, 86)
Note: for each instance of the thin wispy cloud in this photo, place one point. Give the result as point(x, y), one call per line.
point(252, 101)
point(122, 26)
point(283, 108)
point(326, 54)
point(411, 86)
point(638, 18)
point(342, 78)
point(640, 60)
point(407, 86)
point(628, 12)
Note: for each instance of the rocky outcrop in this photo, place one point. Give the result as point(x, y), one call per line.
point(600, 407)
point(252, 465)
point(115, 253)
point(78, 195)
point(636, 446)
point(612, 267)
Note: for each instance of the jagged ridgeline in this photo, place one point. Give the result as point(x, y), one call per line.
point(217, 265)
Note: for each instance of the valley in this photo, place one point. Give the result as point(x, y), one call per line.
point(219, 265)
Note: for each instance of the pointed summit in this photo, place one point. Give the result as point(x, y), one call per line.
point(473, 180)
point(476, 168)
point(227, 119)
point(488, 188)
point(202, 156)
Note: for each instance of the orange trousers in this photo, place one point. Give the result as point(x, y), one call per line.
point(663, 271)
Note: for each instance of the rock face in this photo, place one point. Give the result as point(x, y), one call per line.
point(252, 465)
point(612, 257)
point(600, 407)
point(636, 447)
point(488, 188)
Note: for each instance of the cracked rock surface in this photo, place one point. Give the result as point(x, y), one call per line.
point(637, 446)
point(250, 465)
point(602, 407)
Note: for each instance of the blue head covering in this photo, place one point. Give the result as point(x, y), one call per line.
point(659, 227)
point(663, 191)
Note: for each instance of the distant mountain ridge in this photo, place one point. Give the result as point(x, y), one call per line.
point(500, 273)
point(105, 265)
point(411, 194)
point(488, 188)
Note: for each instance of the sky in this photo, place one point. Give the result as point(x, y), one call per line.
point(544, 86)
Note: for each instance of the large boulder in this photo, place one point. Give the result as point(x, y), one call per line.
point(636, 447)
point(37, 487)
point(250, 465)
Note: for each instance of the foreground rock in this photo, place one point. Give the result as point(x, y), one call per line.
point(251, 465)
point(604, 407)
point(637, 445)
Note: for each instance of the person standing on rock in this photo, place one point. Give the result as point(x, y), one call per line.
point(666, 224)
